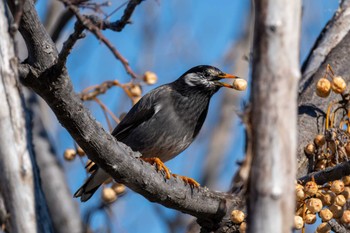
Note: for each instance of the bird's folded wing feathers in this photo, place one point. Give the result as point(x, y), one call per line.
point(139, 113)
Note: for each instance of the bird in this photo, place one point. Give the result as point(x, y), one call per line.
point(164, 122)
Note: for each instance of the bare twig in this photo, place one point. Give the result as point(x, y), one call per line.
point(88, 24)
point(68, 45)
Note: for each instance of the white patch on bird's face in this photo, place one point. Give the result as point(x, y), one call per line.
point(195, 80)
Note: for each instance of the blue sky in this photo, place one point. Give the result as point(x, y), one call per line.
point(167, 37)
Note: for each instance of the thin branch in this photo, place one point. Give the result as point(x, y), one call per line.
point(329, 174)
point(88, 24)
point(69, 43)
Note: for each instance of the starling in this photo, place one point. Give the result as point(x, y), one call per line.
point(165, 121)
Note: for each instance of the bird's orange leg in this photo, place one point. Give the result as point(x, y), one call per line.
point(160, 165)
point(188, 180)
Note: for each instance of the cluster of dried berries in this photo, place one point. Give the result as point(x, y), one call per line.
point(238, 217)
point(327, 201)
point(329, 149)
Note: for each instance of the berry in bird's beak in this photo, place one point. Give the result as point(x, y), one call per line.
point(237, 84)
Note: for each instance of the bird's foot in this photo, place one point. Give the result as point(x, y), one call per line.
point(188, 180)
point(160, 165)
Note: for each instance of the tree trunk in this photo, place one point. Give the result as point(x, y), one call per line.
point(24, 201)
point(274, 116)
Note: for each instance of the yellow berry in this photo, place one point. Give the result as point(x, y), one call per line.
point(237, 216)
point(108, 195)
point(243, 227)
point(69, 154)
point(135, 90)
point(314, 205)
point(337, 186)
point(346, 217)
point(328, 198)
point(347, 148)
point(323, 228)
point(80, 151)
point(311, 188)
point(346, 192)
point(239, 84)
point(298, 222)
point(337, 211)
point(118, 188)
point(338, 85)
point(323, 87)
point(325, 215)
point(150, 78)
point(320, 140)
point(346, 180)
point(310, 219)
point(310, 149)
point(340, 200)
point(300, 195)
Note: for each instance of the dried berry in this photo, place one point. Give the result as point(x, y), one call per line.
point(346, 180)
point(346, 217)
point(150, 78)
point(300, 195)
point(237, 216)
point(310, 149)
point(346, 192)
point(314, 205)
point(243, 227)
point(323, 228)
point(80, 151)
point(298, 222)
point(135, 90)
point(340, 200)
point(328, 198)
point(338, 85)
point(239, 84)
point(310, 218)
point(311, 188)
point(320, 140)
point(337, 211)
point(337, 186)
point(323, 87)
point(325, 215)
point(69, 154)
point(118, 188)
point(108, 195)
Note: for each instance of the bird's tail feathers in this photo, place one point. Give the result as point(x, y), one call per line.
point(88, 189)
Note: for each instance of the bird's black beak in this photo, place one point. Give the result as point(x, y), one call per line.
point(222, 76)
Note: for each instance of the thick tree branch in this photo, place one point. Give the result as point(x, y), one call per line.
point(333, 48)
point(117, 159)
point(274, 103)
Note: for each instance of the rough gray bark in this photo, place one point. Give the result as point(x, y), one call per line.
point(274, 103)
point(19, 178)
point(334, 46)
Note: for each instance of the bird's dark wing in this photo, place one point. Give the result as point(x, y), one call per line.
point(139, 113)
point(200, 121)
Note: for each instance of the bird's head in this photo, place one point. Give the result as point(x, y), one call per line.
point(204, 78)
